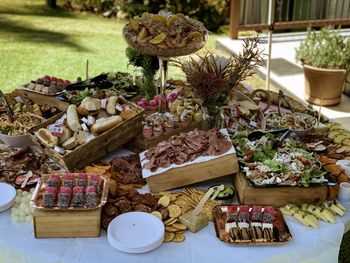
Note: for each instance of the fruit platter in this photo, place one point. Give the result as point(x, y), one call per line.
point(165, 35)
point(268, 161)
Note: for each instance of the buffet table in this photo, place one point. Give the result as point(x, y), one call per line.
point(17, 244)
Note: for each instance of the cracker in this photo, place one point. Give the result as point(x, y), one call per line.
point(174, 211)
point(157, 214)
point(171, 229)
point(164, 193)
point(172, 197)
point(164, 201)
point(168, 236)
point(179, 226)
point(179, 237)
point(170, 221)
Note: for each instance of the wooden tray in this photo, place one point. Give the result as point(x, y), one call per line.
point(140, 144)
point(39, 92)
point(59, 224)
point(276, 196)
point(220, 218)
point(43, 99)
point(37, 202)
point(193, 173)
point(99, 146)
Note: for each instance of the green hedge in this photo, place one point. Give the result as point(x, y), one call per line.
point(213, 13)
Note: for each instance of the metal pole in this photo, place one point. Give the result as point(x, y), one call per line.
point(163, 68)
point(270, 23)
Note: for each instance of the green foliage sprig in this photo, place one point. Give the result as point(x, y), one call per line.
point(149, 65)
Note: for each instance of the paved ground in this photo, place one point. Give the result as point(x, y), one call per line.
point(287, 74)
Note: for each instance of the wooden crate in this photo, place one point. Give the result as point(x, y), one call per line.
point(100, 146)
point(140, 144)
point(67, 223)
point(276, 196)
point(193, 173)
point(43, 99)
point(11, 98)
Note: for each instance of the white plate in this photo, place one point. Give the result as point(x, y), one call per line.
point(7, 196)
point(135, 232)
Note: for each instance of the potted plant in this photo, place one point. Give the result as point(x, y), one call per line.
point(325, 56)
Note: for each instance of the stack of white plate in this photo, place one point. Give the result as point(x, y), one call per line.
point(135, 232)
point(7, 196)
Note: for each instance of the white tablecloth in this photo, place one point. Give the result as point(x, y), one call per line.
point(17, 245)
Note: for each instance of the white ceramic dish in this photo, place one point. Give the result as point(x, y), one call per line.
point(135, 232)
point(7, 196)
point(16, 141)
point(345, 165)
point(344, 192)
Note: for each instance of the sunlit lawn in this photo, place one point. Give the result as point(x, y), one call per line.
point(35, 41)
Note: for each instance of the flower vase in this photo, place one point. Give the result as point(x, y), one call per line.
point(213, 117)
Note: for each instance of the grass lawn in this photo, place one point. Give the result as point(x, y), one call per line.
point(36, 41)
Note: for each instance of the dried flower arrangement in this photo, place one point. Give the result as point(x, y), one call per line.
point(213, 77)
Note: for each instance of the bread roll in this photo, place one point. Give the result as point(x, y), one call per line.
point(92, 104)
point(127, 114)
point(82, 110)
point(88, 105)
point(46, 138)
point(105, 124)
point(102, 114)
point(70, 143)
point(112, 102)
point(67, 133)
point(73, 118)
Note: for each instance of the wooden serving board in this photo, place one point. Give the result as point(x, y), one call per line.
point(67, 223)
point(43, 99)
point(193, 173)
point(276, 196)
point(140, 143)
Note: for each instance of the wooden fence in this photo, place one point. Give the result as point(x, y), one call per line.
point(288, 14)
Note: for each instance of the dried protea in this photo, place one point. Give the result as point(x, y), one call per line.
point(213, 77)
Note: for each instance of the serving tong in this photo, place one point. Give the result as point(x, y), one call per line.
point(6, 106)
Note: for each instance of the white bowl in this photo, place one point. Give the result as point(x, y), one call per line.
point(135, 232)
point(7, 196)
point(16, 141)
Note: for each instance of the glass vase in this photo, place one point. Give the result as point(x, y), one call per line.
point(213, 117)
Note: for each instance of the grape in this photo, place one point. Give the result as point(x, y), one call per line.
point(22, 206)
point(16, 218)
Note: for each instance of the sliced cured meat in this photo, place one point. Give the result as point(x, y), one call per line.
point(186, 147)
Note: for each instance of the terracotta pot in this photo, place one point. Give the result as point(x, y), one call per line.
point(347, 84)
point(327, 84)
